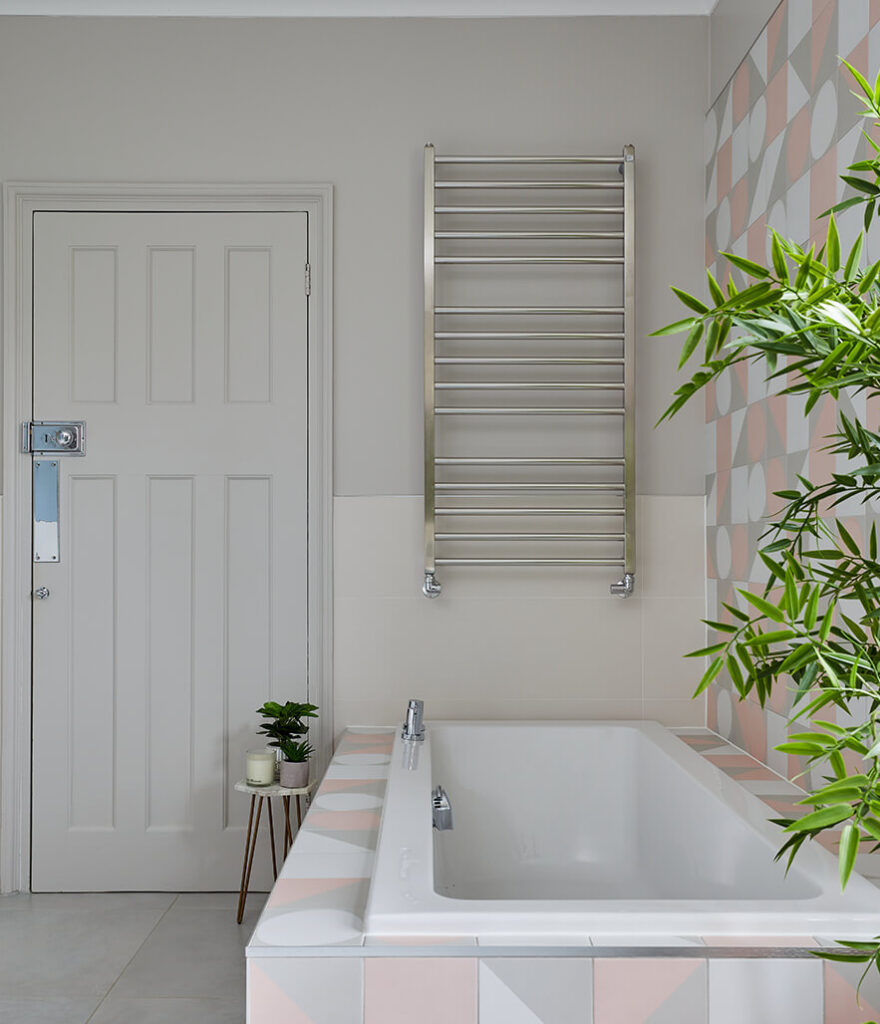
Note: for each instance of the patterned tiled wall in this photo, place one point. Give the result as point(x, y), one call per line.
point(777, 139)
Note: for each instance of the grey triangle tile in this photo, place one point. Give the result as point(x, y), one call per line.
point(688, 1004)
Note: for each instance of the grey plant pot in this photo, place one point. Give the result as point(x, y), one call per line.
point(294, 774)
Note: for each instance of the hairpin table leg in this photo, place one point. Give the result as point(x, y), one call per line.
point(272, 840)
point(250, 861)
point(247, 843)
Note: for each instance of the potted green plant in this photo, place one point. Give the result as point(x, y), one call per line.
point(285, 723)
point(813, 319)
point(295, 756)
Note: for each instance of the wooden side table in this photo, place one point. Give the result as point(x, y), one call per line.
point(258, 794)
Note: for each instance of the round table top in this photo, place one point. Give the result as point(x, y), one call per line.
point(273, 789)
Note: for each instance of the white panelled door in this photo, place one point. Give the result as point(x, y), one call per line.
point(180, 600)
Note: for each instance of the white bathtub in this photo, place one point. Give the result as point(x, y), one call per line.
point(566, 830)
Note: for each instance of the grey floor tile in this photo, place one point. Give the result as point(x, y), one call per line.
point(72, 944)
point(169, 1011)
point(195, 952)
point(219, 900)
point(47, 1010)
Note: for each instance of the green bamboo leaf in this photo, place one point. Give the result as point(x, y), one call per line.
point(747, 266)
point(735, 674)
point(872, 826)
point(797, 659)
point(722, 627)
point(736, 613)
point(776, 636)
point(828, 668)
point(693, 339)
point(690, 301)
point(676, 328)
point(846, 856)
point(712, 339)
point(715, 289)
point(851, 783)
point(845, 958)
point(779, 262)
point(868, 277)
point(812, 611)
point(791, 594)
point(835, 759)
point(847, 538)
point(851, 793)
point(765, 607)
point(827, 618)
point(860, 78)
point(801, 749)
point(837, 312)
point(824, 818)
point(832, 246)
point(852, 261)
point(776, 569)
point(705, 651)
point(708, 676)
point(860, 184)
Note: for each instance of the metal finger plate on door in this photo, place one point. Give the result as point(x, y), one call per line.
point(55, 438)
point(46, 524)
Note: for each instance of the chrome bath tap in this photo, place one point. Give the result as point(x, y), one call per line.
point(441, 809)
point(413, 729)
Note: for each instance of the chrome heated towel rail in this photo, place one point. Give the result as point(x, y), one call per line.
point(529, 337)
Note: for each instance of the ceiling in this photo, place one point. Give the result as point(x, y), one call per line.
point(354, 8)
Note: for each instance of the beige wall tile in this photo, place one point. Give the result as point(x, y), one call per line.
point(671, 627)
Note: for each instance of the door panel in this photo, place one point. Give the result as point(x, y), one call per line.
point(179, 602)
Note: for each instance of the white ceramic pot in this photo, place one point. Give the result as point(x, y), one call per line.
point(294, 774)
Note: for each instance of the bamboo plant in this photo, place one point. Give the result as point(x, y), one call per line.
point(813, 319)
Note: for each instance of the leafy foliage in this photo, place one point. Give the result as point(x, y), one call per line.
point(296, 751)
point(285, 721)
point(813, 319)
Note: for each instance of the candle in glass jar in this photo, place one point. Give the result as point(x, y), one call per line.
point(260, 769)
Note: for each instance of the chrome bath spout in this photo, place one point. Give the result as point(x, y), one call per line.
point(413, 729)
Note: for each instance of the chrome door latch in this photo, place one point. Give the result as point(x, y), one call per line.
point(53, 437)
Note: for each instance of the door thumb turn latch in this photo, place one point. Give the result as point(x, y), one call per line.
point(41, 593)
point(53, 437)
point(48, 440)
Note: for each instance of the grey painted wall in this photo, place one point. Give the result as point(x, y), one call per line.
point(352, 102)
point(733, 26)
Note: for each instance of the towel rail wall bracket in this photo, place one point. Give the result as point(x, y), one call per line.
point(538, 339)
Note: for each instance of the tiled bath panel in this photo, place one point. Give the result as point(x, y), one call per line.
point(309, 961)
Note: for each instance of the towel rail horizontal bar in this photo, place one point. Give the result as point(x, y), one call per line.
point(615, 185)
point(540, 460)
point(528, 361)
point(532, 335)
point(528, 385)
point(548, 235)
point(530, 536)
point(530, 486)
point(529, 561)
point(529, 310)
point(528, 260)
point(542, 511)
point(525, 410)
point(544, 159)
point(598, 210)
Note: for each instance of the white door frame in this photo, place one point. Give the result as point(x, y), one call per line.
point(20, 201)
